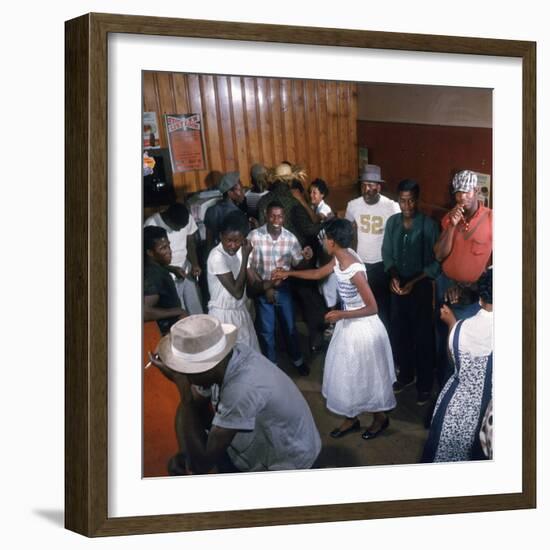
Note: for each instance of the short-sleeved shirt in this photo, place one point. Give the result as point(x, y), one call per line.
point(215, 215)
point(157, 280)
point(220, 262)
point(472, 249)
point(177, 239)
point(371, 222)
point(323, 209)
point(276, 427)
point(411, 251)
point(269, 254)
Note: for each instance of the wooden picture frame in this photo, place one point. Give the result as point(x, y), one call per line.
point(86, 232)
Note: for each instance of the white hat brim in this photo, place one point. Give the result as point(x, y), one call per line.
point(164, 349)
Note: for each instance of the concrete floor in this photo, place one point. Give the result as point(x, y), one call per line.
point(401, 443)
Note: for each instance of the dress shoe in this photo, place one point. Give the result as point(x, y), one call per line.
point(337, 432)
point(367, 434)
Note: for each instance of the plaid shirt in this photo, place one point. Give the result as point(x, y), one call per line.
point(268, 254)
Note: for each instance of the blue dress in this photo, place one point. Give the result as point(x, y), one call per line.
point(459, 410)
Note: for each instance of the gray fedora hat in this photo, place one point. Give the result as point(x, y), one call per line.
point(372, 173)
point(228, 181)
point(197, 344)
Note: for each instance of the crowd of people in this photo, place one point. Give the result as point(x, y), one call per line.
point(395, 298)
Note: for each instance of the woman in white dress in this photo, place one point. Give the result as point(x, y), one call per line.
point(359, 371)
point(226, 275)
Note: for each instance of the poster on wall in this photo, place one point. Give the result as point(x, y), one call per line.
point(484, 186)
point(150, 131)
point(185, 141)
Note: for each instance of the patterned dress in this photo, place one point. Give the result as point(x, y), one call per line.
point(461, 405)
point(359, 371)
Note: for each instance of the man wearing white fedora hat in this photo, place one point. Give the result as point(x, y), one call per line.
point(369, 214)
point(261, 421)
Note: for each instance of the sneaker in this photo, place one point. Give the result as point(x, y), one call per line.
point(399, 386)
point(423, 397)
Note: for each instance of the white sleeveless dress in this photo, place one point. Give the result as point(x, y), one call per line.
point(359, 371)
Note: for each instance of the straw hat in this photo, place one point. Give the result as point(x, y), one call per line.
point(197, 344)
point(284, 172)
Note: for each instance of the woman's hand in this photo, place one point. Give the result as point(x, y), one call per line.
point(196, 271)
point(334, 316)
point(453, 294)
point(407, 289)
point(447, 315)
point(246, 248)
point(395, 285)
point(279, 274)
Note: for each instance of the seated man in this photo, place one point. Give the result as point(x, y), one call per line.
point(160, 298)
point(274, 247)
point(261, 420)
point(182, 231)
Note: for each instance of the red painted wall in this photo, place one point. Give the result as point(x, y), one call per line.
point(430, 154)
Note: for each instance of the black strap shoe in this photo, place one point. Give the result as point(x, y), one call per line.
point(337, 432)
point(367, 434)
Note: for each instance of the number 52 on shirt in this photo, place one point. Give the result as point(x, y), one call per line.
point(371, 224)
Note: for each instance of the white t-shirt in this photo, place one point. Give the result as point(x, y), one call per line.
point(220, 262)
point(177, 239)
point(371, 222)
point(323, 209)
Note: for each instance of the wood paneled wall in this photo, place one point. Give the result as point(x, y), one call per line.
point(428, 153)
point(266, 120)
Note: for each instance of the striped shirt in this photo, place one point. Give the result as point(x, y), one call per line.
point(269, 254)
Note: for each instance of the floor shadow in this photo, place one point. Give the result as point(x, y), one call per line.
point(56, 517)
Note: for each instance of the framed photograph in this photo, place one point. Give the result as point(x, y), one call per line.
point(107, 56)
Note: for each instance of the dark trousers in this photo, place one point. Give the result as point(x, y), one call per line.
point(379, 282)
point(413, 336)
point(306, 294)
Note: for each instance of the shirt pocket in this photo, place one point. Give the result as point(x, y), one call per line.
point(480, 248)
